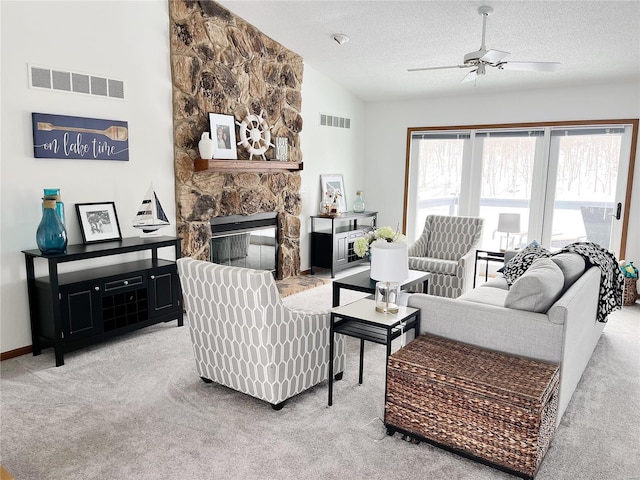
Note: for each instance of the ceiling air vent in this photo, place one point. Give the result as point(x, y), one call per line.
point(327, 120)
point(74, 82)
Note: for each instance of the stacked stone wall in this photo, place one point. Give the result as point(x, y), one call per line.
point(222, 64)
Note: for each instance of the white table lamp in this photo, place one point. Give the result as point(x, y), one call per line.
point(508, 223)
point(389, 266)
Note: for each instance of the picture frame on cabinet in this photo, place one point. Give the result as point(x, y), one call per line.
point(98, 222)
point(334, 183)
point(223, 134)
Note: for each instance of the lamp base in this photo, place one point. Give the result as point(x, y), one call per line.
point(390, 309)
point(387, 294)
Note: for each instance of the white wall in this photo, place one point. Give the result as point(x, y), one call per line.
point(100, 37)
point(387, 122)
point(327, 150)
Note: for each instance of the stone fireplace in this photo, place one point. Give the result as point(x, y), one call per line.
point(222, 64)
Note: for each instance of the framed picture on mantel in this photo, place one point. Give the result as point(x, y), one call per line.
point(223, 134)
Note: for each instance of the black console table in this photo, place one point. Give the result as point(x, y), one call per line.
point(75, 309)
point(333, 247)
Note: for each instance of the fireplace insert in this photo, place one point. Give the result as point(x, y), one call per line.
point(249, 241)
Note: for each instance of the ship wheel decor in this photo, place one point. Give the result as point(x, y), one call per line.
point(255, 134)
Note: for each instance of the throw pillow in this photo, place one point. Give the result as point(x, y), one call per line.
point(572, 266)
point(523, 260)
point(538, 288)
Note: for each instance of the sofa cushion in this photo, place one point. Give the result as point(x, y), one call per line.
point(488, 296)
point(523, 260)
point(538, 288)
point(572, 266)
point(433, 265)
point(496, 282)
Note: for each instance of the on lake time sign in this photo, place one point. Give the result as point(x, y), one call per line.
point(61, 136)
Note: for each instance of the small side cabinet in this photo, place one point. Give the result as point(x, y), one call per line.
point(75, 309)
point(332, 244)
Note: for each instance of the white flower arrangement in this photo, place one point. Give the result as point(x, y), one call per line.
point(383, 234)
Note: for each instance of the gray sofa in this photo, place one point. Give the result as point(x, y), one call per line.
point(564, 333)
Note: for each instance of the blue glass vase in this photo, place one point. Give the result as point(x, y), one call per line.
point(55, 192)
point(51, 235)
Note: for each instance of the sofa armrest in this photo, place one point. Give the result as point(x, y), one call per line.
point(506, 330)
point(576, 310)
point(465, 268)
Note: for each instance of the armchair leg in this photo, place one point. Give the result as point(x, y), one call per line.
point(338, 376)
point(278, 406)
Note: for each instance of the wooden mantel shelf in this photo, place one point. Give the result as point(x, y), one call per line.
point(203, 165)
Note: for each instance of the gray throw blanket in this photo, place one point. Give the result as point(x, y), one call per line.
point(611, 277)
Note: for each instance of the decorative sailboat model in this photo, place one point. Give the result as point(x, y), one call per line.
point(150, 216)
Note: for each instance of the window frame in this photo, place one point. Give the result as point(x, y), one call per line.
point(409, 208)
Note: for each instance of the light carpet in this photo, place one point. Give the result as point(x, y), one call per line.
point(135, 408)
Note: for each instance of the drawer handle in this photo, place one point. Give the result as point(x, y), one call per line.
point(97, 289)
point(126, 282)
point(153, 277)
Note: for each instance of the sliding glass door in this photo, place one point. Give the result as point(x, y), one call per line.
point(583, 183)
point(507, 159)
point(437, 162)
point(553, 183)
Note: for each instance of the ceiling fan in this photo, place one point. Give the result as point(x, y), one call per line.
point(483, 58)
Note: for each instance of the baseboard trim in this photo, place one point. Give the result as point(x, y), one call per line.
point(15, 353)
point(4, 475)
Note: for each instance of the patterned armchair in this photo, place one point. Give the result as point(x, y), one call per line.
point(245, 338)
point(447, 248)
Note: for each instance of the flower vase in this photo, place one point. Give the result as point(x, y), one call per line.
point(205, 146)
point(51, 236)
point(358, 203)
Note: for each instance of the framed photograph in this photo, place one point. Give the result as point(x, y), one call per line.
point(334, 184)
point(223, 134)
point(98, 222)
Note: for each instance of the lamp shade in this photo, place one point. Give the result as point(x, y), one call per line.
point(389, 261)
point(509, 223)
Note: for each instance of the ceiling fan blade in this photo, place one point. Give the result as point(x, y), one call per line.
point(530, 66)
point(494, 56)
point(470, 77)
point(435, 68)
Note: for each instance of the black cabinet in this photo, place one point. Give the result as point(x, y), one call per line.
point(332, 239)
point(74, 309)
point(79, 309)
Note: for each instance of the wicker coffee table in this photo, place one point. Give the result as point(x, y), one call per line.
point(493, 407)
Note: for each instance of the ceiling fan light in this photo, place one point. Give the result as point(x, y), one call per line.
point(469, 77)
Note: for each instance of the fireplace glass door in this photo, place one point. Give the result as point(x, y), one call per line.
point(245, 241)
point(255, 249)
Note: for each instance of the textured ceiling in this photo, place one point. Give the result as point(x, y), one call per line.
point(595, 41)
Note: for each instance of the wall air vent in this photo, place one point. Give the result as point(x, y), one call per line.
point(61, 80)
point(328, 120)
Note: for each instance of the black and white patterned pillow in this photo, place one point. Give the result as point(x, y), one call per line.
point(522, 261)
